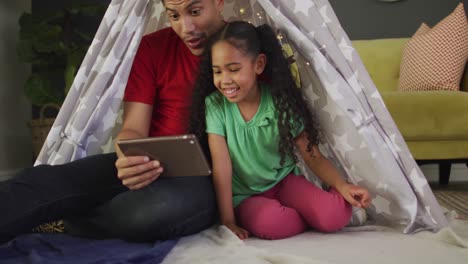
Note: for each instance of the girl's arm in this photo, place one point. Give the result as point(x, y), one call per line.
point(222, 180)
point(327, 172)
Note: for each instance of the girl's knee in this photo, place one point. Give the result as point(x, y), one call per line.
point(333, 219)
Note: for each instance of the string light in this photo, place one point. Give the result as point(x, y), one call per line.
point(242, 11)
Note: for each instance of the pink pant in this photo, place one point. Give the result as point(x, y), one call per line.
point(290, 207)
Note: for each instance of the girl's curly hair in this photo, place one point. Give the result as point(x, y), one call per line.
point(288, 99)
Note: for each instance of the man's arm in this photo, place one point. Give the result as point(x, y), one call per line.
point(136, 123)
point(136, 172)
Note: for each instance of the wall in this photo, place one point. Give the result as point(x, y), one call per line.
point(368, 19)
point(15, 139)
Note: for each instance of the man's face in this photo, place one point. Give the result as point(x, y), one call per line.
point(195, 20)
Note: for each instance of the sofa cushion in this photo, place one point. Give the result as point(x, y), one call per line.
point(438, 150)
point(382, 58)
point(429, 115)
point(435, 59)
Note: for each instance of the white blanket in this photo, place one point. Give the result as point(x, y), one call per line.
point(381, 245)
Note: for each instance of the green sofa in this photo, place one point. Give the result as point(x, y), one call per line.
point(434, 124)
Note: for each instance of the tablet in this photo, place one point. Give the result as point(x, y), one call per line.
point(179, 155)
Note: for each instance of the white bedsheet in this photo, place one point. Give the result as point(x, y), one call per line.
point(383, 245)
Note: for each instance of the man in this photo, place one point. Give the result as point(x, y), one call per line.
point(112, 196)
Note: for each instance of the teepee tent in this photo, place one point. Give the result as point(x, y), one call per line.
point(360, 135)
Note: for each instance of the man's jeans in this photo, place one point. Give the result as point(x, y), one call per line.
point(89, 194)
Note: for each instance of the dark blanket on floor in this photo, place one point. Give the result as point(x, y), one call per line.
point(65, 249)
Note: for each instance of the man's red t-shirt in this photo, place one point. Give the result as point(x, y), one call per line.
point(162, 75)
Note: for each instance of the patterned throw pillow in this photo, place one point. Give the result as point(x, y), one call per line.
point(434, 59)
point(423, 29)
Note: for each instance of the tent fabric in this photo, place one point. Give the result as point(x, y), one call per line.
point(359, 133)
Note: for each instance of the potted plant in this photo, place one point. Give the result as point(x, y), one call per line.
point(55, 44)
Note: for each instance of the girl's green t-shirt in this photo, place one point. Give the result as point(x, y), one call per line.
point(253, 145)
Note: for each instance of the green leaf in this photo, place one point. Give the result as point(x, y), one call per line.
point(47, 38)
point(54, 17)
point(28, 26)
point(77, 55)
point(84, 35)
point(40, 91)
point(89, 10)
point(74, 60)
point(45, 61)
point(70, 72)
point(25, 51)
point(26, 21)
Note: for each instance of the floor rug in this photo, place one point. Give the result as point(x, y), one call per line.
point(454, 200)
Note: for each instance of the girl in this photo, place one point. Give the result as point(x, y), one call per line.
point(255, 118)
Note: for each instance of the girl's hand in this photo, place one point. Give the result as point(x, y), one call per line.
point(239, 231)
point(356, 195)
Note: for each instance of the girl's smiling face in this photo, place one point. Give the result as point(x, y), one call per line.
point(235, 72)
